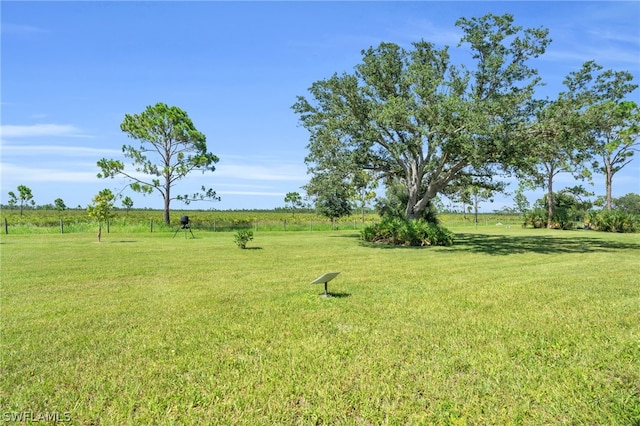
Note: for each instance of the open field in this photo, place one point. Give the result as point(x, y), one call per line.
point(508, 326)
point(77, 221)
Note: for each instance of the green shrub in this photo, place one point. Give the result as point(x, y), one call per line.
point(563, 218)
point(242, 237)
point(536, 218)
point(397, 231)
point(612, 221)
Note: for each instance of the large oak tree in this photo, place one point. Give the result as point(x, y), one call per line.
point(414, 116)
point(170, 149)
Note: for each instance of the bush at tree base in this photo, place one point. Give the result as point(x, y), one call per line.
point(562, 218)
point(612, 221)
point(407, 232)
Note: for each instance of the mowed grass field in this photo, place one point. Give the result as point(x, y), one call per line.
point(508, 326)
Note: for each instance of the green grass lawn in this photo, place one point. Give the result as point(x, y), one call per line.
point(508, 326)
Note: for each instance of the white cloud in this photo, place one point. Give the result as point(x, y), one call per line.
point(600, 55)
point(417, 29)
point(15, 173)
point(273, 172)
point(615, 36)
point(56, 150)
point(21, 30)
point(36, 130)
point(253, 193)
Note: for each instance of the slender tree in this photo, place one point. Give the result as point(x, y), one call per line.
point(616, 135)
point(612, 120)
point(557, 144)
point(59, 205)
point(170, 149)
point(472, 195)
point(127, 203)
point(101, 209)
point(24, 197)
point(334, 204)
point(364, 184)
point(415, 117)
point(521, 201)
point(294, 199)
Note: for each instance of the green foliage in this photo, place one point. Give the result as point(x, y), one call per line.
point(127, 203)
point(629, 203)
point(24, 198)
point(613, 221)
point(407, 232)
point(568, 209)
point(611, 120)
point(521, 201)
point(294, 199)
point(536, 217)
point(413, 115)
point(394, 203)
point(59, 205)
point(334, 204)
point(242, 237)
point(170, 149)
point(101, 209)
point(140, 220)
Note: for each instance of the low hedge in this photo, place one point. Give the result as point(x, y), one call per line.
point(407, 232)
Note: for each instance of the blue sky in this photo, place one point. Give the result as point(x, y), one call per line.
point(70, 71)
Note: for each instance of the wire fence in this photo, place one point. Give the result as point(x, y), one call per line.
point(45, 223)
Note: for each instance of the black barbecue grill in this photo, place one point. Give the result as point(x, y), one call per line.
point(185, 225)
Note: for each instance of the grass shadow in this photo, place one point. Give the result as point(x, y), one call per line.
point(386, 246)
point(353, 235)
point(332, 295)
point(502, 245)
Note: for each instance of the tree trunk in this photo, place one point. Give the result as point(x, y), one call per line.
point(167, 201)
point(167, 219)
point(550, 200)
point(475, 208)
point(609, 179)
point(411, 211)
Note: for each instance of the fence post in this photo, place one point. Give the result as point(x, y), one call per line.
point(151, 226)
point(214, 226)
point(61, 226)
point(6, 226)
point(107, 226)
point(285, 224)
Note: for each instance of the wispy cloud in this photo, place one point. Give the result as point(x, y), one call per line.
point(615, 36)
point(272, 172)
point(417, 29)
point(9, 28)
point(22, 174)
point(56, 151)
point(37, 130)
point(601, 55)
point(252, 193)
